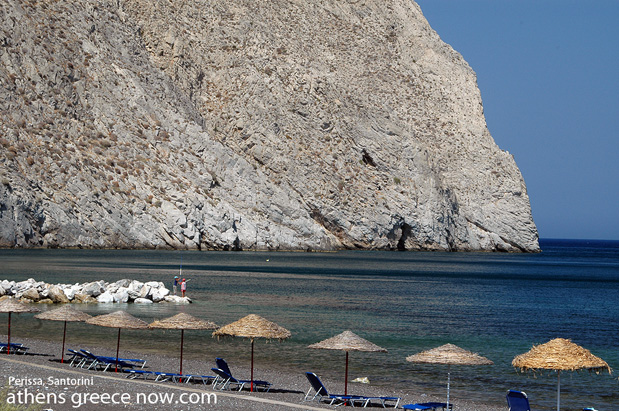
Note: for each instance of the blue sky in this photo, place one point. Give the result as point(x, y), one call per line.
point(548, 71)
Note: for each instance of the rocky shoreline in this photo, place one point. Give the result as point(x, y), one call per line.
point(121, 291)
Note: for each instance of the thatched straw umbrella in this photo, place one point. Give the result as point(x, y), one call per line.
point(118, 319)
point(347, 341)
point(253, 326)
point(183, 322)
point(449, 355)
point(11, 305)
point(65, 313)
point(559, 355)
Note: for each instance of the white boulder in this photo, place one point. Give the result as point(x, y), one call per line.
point(105, 298)
point(176, 299)
point(121, 296)
point(135, 286)
point(145, 291)
point(57, 295)
point(69, 292)
point(156, 296)
point(93, 289)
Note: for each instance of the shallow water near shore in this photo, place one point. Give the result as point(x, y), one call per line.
point(498, 305)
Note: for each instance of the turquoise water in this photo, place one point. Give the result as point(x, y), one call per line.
point(498, 305)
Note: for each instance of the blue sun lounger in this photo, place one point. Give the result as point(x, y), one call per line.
point(223, 365)
point(517, 401)
point(433, 406)
point(104, 363)
point(320, 392)
point(16, 348)
point(226, 380)
point(138, 361)
point(133, 374)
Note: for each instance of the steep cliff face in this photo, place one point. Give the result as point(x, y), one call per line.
point(246, 125)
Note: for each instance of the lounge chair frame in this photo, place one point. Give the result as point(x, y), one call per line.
point(196, 377)
point(168, 376)
point(79, 359)
point(134, 374)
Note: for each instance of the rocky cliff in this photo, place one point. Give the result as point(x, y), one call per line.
point(314, 124)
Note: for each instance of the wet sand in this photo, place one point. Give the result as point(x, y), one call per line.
point(61, 387)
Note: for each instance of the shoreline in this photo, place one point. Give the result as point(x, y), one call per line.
point(289, 387)
point(285, 250)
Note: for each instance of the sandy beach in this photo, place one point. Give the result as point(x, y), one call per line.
point(40, 377)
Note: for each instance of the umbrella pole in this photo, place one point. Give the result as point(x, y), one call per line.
point(117, 350)
point(558, 390)
point(64, 335)
point(448, 381)
point(346, 376)
point(8, 346)
point(252, 366)
point(182, 341)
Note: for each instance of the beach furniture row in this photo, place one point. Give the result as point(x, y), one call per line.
point(134, 368)
point(224, 380)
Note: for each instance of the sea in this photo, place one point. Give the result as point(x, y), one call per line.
point(495, 304)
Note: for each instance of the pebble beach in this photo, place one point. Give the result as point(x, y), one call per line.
point(39, 377)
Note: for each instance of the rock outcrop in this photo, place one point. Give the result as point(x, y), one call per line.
point(246, 125)
point(121, 291)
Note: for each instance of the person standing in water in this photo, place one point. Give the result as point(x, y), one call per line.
point(175, 284)
point(183, 287)
point(177, 278)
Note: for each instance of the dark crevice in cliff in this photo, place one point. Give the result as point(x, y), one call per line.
point(407, 232)
point(367, 159)
point(326, 223)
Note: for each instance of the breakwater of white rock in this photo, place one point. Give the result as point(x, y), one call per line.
point(121, 291)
